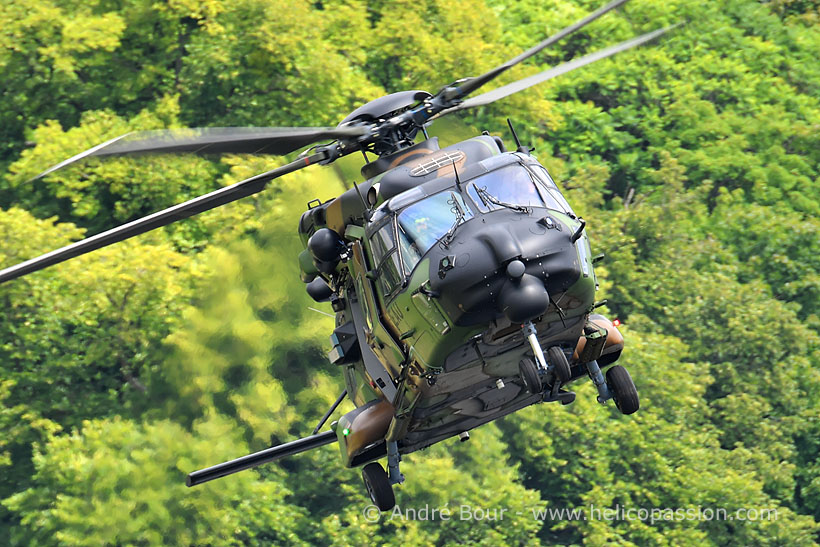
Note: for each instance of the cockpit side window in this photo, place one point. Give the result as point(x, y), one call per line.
point(511, 185)
point(386, 257)
point(389, 272)
point(543, 176)
point(382, 242)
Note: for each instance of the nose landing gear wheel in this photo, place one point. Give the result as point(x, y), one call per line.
point(529, 375)
point(378, 486)
point(558, 360)
point(623, 389)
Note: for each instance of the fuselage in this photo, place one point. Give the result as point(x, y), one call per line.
point(429, 271)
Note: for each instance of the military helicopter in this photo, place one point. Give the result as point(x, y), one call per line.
point(461, 279)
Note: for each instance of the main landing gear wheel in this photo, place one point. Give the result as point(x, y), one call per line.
point(378, 486)
point(529, 374)
point(623, 389)
point(558, 360)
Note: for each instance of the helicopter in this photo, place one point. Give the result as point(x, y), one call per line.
point(462, 282)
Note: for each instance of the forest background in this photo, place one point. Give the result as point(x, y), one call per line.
point(695, 161)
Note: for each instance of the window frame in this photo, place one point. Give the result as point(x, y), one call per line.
point(551, 187)
point(390, 289)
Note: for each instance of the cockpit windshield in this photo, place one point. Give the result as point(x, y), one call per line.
point(425, 222)
point(512, 186)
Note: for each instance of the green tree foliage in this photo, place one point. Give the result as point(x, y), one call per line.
point(261, 62)
point(695, 161)
point(78, 341)
point(98, 194)
point(667, 456)
point(245, 344)
point(118, 482)
point(46, 57)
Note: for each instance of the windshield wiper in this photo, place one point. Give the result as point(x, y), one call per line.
point(459, 213)
point(488, 197)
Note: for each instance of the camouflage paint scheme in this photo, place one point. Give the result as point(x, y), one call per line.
point(446, 363)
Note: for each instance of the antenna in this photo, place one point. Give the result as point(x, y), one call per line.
point(361, 197)
point(520, 147)
point(458, 182)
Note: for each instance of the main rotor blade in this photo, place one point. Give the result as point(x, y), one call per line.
point(214, 140)
point(156, 220)
point(520, 85)
point(471, 84)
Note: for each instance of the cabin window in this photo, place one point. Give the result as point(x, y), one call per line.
point(425, 222)
point(510, 185)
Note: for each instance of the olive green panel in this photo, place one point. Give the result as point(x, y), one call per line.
point(431, 312)
point(354, 232)
point(358, 386)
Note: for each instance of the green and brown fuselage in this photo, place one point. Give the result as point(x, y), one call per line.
point(446, 325)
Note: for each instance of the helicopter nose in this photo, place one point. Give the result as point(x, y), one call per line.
point(523, 296)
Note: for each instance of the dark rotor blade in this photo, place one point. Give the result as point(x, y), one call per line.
point(214, 140)
point(471, 84)
point(181, 211)
point(520, 85)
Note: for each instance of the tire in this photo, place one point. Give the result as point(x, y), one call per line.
point(378, 486)
point(623, 389)
point(529, 375)
point(558, 360)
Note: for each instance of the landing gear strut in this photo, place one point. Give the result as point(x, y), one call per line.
point(393, 459)
point(530, 333)
point(558, 363)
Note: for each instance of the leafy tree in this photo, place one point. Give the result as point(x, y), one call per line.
point(119, 482)
point(694, 160)
point(79, 339)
